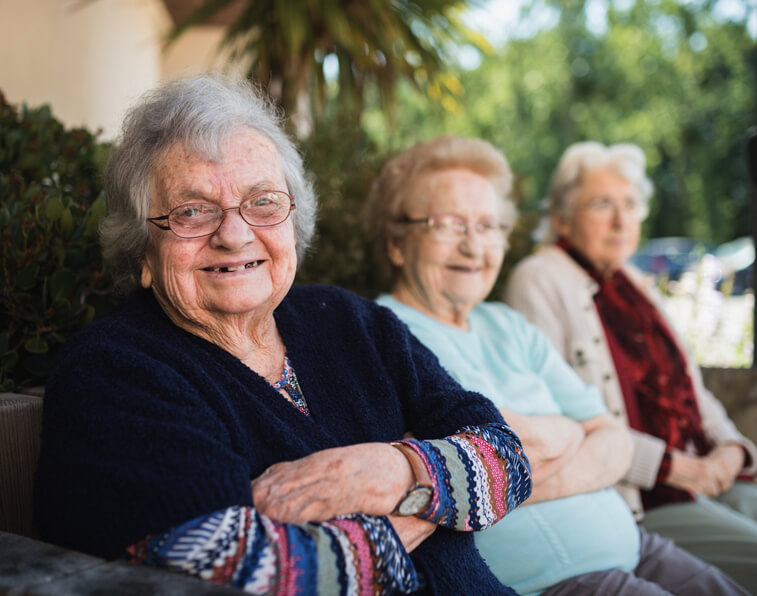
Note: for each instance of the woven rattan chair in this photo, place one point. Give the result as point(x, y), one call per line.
point(20, 420)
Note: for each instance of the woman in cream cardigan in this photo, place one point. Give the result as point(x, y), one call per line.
point(692, 475)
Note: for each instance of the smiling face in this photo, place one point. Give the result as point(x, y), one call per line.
point(605, 222)
point(237, 272)
point(443, 279)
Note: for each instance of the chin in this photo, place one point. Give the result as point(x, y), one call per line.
point(240, 302)
point(467, 298)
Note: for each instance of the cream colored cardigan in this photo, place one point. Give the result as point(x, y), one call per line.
point(557, 295)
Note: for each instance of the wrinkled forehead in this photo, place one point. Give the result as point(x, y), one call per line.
point(244, 158)
point(605, 179)
point(242, 142)
point(453, 190)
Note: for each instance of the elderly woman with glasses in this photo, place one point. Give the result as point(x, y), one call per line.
point(440, 215)
point(692, 472)
point(225, 424)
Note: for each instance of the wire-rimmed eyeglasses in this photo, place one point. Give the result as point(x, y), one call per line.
point(194, 220)
point(452, 228)
point(606, 206)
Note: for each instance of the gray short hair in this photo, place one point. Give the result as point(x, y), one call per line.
point(391, 192)
point(625, 159)
point(201, 112)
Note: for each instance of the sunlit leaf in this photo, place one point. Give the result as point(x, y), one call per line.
point(54, 208)
point(36, 345)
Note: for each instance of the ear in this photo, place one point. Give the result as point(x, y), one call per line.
point(561, 226)
point(394, 251)
point(146, 275)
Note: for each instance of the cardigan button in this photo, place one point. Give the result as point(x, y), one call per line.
point(597, 340)
point(607, 377)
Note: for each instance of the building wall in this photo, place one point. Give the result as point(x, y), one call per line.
point(89, 59)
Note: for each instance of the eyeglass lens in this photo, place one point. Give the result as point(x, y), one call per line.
point(450, 228)
point(264, 209)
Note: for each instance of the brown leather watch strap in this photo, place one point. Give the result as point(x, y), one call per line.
point(420, 473)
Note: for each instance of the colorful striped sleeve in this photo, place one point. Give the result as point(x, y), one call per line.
point(355, 554)
point(479, 474)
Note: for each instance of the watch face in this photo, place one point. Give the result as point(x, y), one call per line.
point(416, 500)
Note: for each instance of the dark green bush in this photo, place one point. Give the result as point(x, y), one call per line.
point(50, 205)
point(343, 162)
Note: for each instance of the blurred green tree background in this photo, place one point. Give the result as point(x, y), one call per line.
point(676, 77)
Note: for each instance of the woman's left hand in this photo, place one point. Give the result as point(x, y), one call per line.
point(727, 461)
point(367, 478)
point(411, 530)
point(709, 475)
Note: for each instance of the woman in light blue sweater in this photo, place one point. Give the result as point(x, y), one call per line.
point(440, 216)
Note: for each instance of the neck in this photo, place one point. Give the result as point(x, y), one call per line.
point(252, 337)
point(449, 313)
point(598, 271)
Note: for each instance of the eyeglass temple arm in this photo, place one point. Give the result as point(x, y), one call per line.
point(154, 221)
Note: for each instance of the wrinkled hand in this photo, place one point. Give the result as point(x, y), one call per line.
point(411, 530)
point(549, 441)
point(368, 478)
point(710, 475)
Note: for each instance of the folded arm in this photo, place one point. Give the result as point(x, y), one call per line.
point(240, 547)
point(550, 441)
point(600, 461)
point(478, 474)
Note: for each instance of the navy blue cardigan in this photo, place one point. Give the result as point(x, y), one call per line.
point(146, 426)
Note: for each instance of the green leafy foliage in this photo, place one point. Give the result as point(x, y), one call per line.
point(50, 205)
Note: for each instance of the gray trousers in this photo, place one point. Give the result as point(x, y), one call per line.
point(721, 531)
point(664, 569)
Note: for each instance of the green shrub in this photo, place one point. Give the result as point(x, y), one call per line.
point(50, 205)
point(343, 162)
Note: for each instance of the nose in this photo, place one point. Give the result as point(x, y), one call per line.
point(470, 242)
point(621, 216)
point(233, 232)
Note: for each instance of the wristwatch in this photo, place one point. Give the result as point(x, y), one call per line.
point(419, 496)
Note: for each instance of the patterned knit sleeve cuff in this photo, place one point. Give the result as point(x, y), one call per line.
point(381, 560)
point(355, 554)
point(479, 474)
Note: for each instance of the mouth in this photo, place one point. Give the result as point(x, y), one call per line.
point(461, 269)
point(234, 269)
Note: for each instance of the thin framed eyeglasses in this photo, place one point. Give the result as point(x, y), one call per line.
point(605, 206)
point(194, 220)
point(453, 228)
